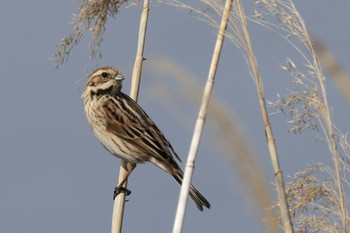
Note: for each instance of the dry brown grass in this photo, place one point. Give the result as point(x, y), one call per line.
point(92, 17)
point(313, 200)
point(308, 107)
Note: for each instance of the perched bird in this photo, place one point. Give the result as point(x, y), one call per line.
point(125, 129)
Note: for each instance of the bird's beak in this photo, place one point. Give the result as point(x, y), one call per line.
point(119, 77)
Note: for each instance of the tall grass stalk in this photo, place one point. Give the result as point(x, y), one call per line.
point(181, 209)
point(282, 200)
point(315, 109)
point(118, 207)
point(329, 127)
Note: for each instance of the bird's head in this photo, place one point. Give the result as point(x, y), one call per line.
point(104, 80)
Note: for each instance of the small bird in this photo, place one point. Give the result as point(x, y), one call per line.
point(126, 131)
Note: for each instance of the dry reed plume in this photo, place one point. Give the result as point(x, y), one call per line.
point(317, 201)
point(92, 16)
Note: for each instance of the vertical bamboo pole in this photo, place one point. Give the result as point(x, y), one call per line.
point(181, 209)
point(118, 207)
point(281, 194)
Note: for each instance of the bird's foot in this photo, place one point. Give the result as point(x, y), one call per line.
point(119, 190)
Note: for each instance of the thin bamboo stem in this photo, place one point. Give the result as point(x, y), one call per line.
point(181, 209)
point(282, 199)
point(118, 207)
point(136, 75)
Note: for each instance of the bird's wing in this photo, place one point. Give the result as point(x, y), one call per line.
point(130, 122)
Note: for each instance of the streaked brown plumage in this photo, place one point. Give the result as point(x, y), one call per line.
point(124, 128)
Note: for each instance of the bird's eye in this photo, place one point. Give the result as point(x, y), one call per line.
point(104, 74)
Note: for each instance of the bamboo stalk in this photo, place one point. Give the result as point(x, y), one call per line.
point(118, 207)
point(282, 199)
point(181, 209)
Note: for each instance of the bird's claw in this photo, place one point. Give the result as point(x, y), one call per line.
point(119, 190)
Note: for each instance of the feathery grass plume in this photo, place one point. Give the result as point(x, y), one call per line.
point(303, 104)
point(314, 201)
point(92, 17)
point(335, 70)
point(308, 104)
point(229, 139)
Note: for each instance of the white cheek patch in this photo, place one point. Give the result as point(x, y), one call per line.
point(103, 86)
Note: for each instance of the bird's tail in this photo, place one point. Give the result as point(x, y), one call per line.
point(195, 195)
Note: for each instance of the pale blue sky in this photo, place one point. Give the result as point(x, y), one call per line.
point(56, 177)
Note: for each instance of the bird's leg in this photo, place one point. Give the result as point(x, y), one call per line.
point(129, 167)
